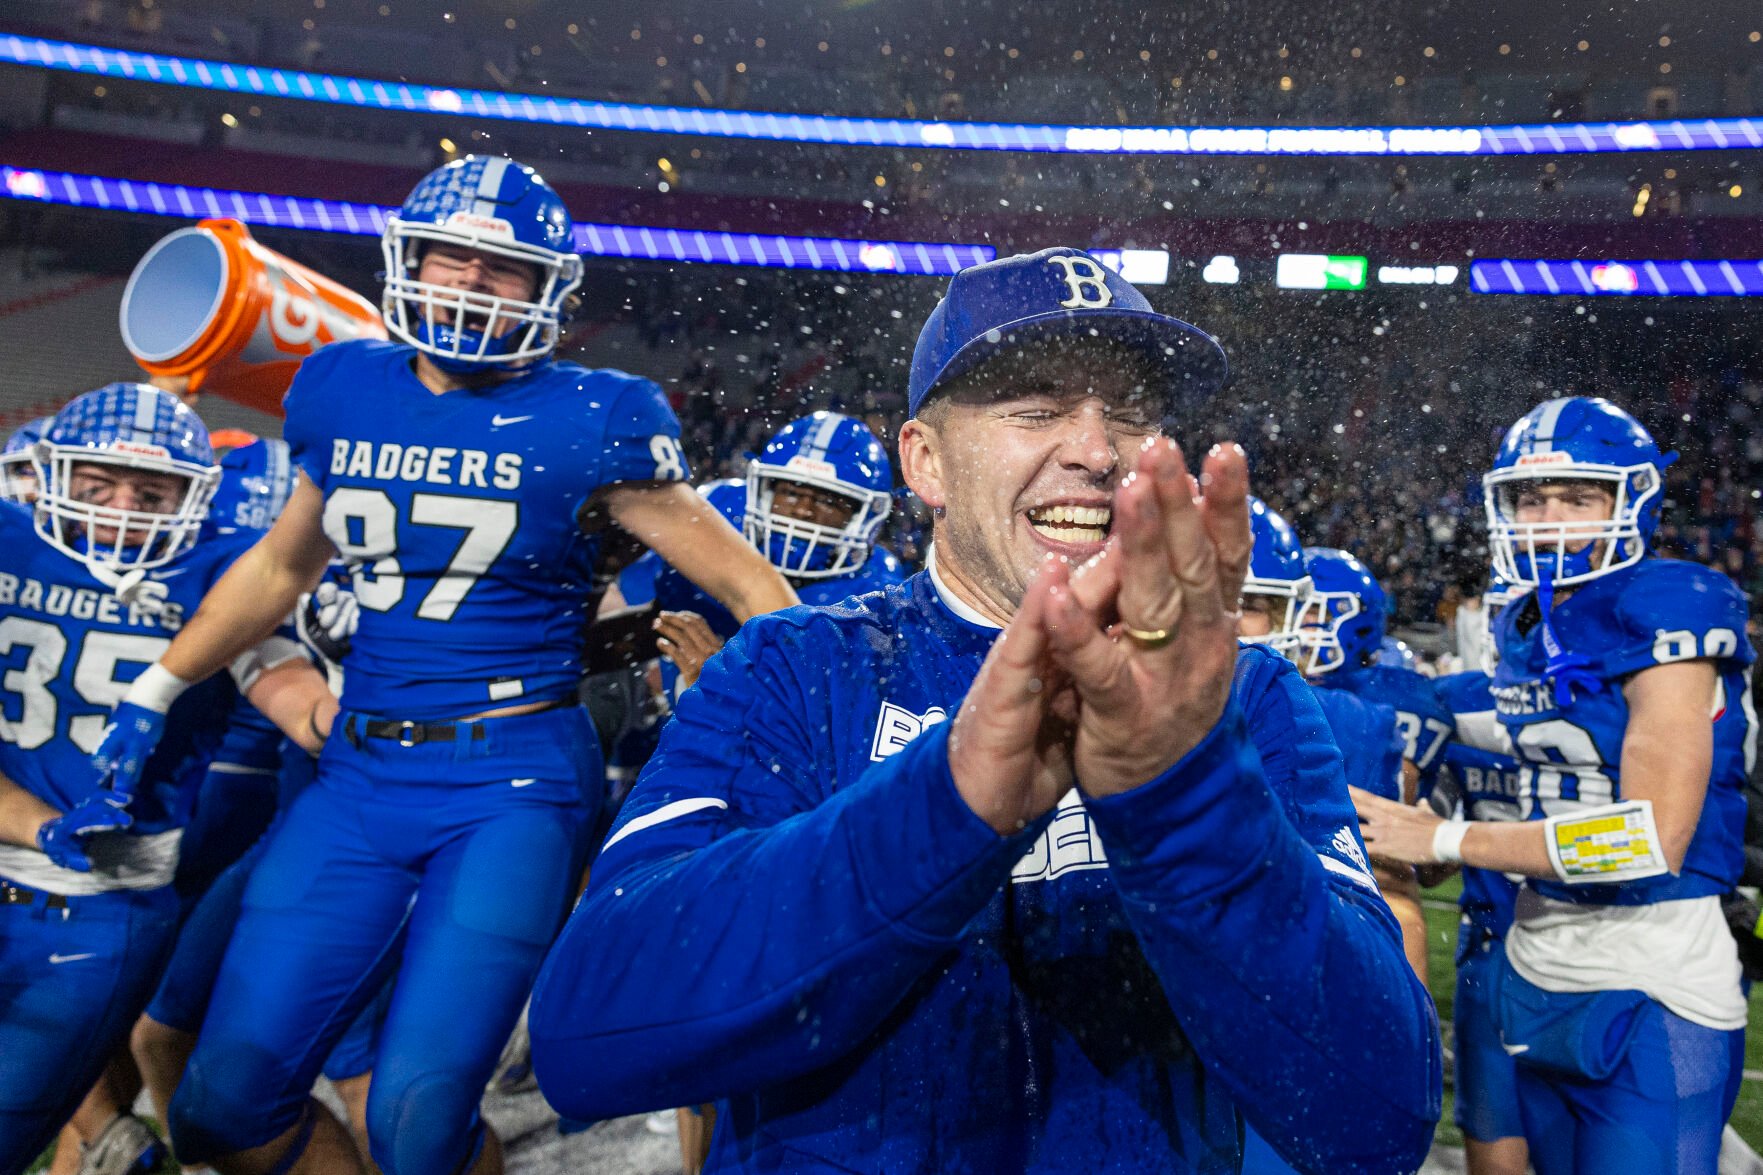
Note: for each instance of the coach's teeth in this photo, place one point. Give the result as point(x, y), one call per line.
point(1072, 524)
point(1083, 516)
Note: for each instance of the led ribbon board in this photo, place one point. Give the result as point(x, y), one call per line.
point(1570, 138)
point(1694, 279)
point(923, 258)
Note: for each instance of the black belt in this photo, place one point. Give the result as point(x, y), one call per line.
point(13, 895)
point(408, 734)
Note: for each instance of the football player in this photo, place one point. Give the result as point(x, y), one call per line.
point(465, 476)
point(1623, 683)
point(813, 502)
point(1341, 636)
point(18, 474)
point(1488, 785)
point(98, 576)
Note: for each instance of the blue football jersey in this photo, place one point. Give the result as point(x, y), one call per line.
point(1370, 739)
point(1480, 755)
point(675, 593)
point(69, 649)
point(1654, 613)
point(1424, 723)
point(881, 982)
point(458, 515)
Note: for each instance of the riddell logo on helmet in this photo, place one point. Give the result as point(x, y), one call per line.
point(811, 465)
point(1546, 459)
point(137, 449)
point(492, 226)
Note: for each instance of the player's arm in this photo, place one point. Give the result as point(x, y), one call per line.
point(688, 533)
point(785, 898)
point(296, 697)
point(1667, 754)
point(238, 616)
point(1401, 893)
point(1269, 938)
point(258, 592)
point(1668, 748)
point(22, 814)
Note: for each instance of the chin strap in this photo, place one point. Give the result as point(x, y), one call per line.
point(1565, 670)
point(133, 587)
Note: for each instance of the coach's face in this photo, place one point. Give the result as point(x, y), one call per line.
point(1020, 458)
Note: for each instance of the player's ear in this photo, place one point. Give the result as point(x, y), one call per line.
point(921, 462)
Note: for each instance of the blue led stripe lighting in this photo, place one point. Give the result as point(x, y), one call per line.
point(923, 258)
point(1677, 278)
point(1571, 138)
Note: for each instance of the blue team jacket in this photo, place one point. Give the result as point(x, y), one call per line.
point(798, 917)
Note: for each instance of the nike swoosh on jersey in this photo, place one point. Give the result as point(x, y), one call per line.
point(499, 421)
point(522, 782)
point(1512, 1050)
point(72, 958)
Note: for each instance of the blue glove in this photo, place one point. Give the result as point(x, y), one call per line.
point(128, 743)
point(63, 839)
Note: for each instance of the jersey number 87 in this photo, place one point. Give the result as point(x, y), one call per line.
point(363, 525)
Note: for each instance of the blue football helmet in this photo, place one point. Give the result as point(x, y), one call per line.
point(256, 480)
point(1396, 654)
point(1276, 570)
point(18, 471)
point(1574, 438)
point(828, 451)
point(1342, 623)
point(493, 205)
point(127, 426)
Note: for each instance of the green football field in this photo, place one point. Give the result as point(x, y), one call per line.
point(1441, 946)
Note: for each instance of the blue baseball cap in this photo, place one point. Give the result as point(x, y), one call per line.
point(1055, 293)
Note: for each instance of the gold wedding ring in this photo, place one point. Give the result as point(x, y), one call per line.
point(1148, 638)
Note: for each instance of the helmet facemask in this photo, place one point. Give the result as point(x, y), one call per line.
point(142, 539)
point(1319, 621)
point(18, 477)
point(432, 318)
point(1527, 553)
point(811, 550)
point(1286, 602)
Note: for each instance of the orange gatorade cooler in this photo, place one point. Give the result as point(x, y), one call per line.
point(212, 304)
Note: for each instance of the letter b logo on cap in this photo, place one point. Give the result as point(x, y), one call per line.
point(1084, 278)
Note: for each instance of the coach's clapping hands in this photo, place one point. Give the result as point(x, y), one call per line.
point(1110, 673)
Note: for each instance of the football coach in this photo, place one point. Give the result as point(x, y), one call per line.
point(1024, 864)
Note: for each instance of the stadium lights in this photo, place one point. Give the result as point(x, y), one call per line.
point(1530, 139)
point(1675, 278)
point(1222, 271)
point(1141, 267)
point(1319, 271)
point(923, 258)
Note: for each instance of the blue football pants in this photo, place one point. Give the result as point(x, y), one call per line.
point(1660, 1113)
point(72, 982)
point(473, 848)
point(1487, 1076)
